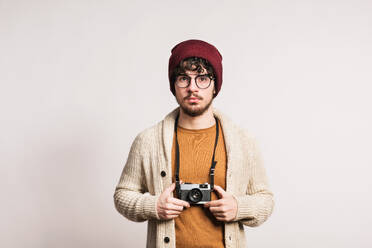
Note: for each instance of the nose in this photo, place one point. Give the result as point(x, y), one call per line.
point(192, 86)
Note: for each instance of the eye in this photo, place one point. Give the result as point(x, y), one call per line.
point(203, 78)
point(182, 78)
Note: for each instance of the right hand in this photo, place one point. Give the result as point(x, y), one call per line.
point(169, 207)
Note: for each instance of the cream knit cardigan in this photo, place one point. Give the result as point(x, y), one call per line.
point(141, 182)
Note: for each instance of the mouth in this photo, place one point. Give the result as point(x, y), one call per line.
point(192, 99)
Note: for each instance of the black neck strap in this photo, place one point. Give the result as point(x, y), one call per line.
point(211, 172)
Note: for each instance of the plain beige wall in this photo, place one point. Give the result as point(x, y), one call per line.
point(80, 79)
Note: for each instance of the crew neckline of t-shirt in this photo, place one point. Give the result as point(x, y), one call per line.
point(203, 130)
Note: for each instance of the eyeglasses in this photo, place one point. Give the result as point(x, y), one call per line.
point(202, 81)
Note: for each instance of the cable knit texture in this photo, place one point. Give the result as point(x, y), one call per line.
point(148, 171)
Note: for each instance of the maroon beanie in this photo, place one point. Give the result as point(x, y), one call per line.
point(196, 48)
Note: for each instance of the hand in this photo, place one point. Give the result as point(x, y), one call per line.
point(169, 207)
point(225, 208)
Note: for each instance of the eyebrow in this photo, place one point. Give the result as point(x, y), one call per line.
point(184, 74)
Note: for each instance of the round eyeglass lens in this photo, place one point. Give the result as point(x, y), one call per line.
point(182, 81)
point(203, 81)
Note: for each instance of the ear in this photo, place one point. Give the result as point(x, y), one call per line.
point(214, 94)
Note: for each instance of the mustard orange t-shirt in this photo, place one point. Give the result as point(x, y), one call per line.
point(196, 226)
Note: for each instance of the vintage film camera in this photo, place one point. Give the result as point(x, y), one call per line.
point(195, 193)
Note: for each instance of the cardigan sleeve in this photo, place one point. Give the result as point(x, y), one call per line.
point(131, 197)
point(257, 205)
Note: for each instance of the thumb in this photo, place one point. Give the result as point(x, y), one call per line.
point(220, 191)
point(171, 188)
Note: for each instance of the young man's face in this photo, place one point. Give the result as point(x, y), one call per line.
point(192, 100)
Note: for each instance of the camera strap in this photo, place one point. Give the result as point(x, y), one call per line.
point(211, 172)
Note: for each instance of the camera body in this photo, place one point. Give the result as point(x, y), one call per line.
point(195, 193)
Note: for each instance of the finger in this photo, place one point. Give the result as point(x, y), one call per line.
point(221, 218)
point(219, 215)
point(172, 212)
point(220, 191)
point(179, 202)
point(216, 210)
point(214, 203)
point(169, 217)
point(171, 206)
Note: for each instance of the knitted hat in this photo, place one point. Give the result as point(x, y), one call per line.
point(196, 48)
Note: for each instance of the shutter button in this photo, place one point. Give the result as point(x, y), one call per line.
point(166, 240)
point(163, 174)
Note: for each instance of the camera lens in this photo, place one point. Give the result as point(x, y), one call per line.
point(195, 195)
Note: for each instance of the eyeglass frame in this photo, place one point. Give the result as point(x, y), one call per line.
point(189, 80)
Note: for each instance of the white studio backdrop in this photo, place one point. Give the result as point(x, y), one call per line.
point(80, 79)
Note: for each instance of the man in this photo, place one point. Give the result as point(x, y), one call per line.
point(196, 144)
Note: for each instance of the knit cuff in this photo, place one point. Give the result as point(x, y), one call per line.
point(246, 208)
point(149, 207)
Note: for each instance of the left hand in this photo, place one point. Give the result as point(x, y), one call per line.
point(225, 208)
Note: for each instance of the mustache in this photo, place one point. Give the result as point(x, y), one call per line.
point(191, 95)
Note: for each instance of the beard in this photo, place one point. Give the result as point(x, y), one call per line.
point(193, 109)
